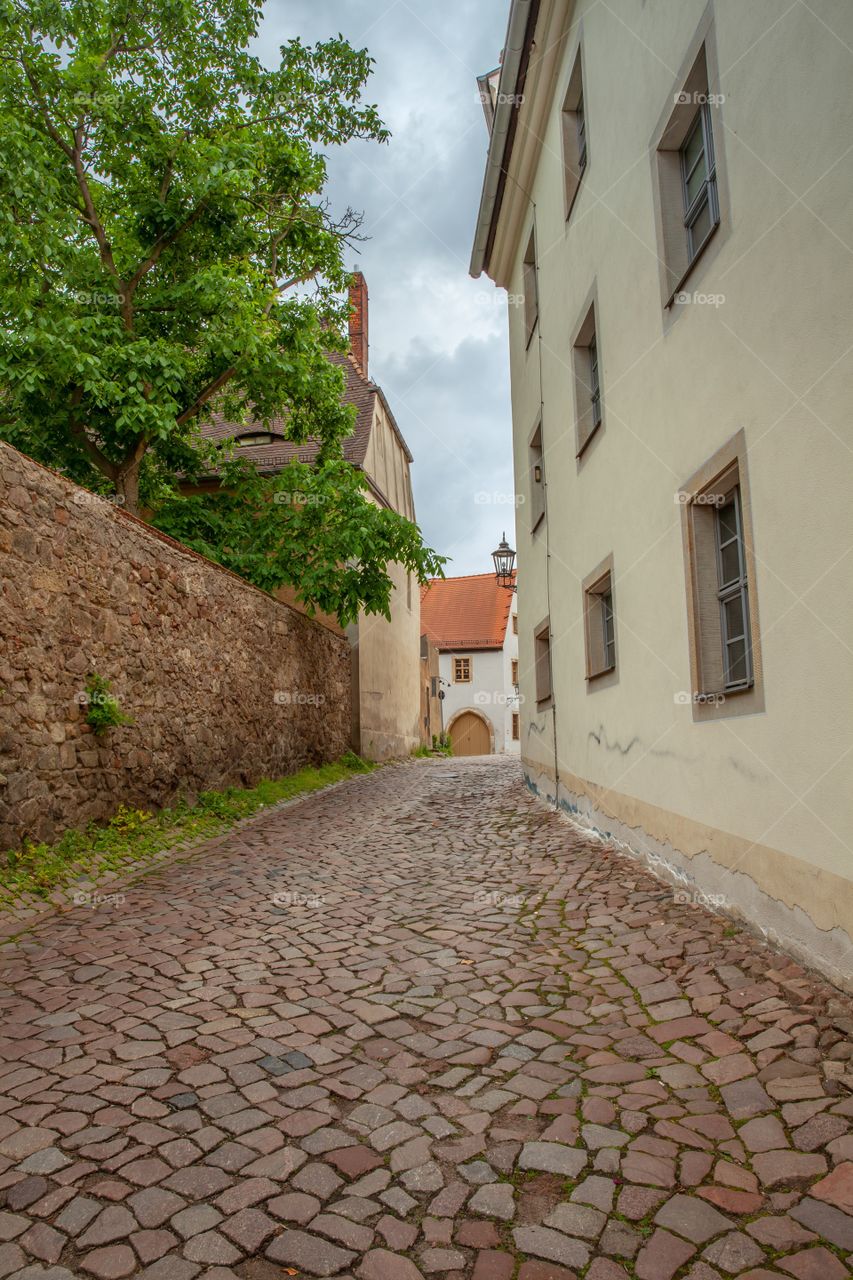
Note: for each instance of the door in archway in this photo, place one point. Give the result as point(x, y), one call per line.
point(470, 736)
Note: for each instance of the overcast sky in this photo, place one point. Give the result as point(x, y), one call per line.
point(438, 342)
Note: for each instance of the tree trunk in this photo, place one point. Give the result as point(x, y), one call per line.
point(127, 489)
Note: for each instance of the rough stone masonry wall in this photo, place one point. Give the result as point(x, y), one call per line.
point(224, 684)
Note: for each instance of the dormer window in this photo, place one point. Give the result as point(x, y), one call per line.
point(256, 437)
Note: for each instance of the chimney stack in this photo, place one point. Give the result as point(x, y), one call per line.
point(358, 321)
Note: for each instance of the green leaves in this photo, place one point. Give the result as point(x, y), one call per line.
point(311, 527)
point(160, 195)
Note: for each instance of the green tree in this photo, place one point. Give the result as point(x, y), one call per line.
point(161, 202)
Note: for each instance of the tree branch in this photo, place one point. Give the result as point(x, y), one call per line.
point(205, 395)
point(160, 244)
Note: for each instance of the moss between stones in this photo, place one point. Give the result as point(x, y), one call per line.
point(134, 836)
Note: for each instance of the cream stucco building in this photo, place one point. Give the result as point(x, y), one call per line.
point(667, 202)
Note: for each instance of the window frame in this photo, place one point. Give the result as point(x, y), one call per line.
point(530, 288)
point(706, 196)
point(700, 498)
point(587, 369)
point(695, 93)
point(466, 663)
point(516, 727)
point(536, 476)
point(736, 588)
point(575, 132)
point(599, 618)
point(543, 671)
point(513, 671)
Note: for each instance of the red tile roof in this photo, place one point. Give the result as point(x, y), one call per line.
point(465, 613)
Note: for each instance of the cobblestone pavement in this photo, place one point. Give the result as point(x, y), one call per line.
point(418, 1026)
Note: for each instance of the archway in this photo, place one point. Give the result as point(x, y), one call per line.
point(470, 734)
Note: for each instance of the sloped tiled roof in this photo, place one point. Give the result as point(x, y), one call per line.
point(465, 613)
point(269, 458)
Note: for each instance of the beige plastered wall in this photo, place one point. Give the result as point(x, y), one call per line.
point(755, 808)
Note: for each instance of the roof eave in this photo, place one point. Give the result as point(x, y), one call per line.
point(522, 21)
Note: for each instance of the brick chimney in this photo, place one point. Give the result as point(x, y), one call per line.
point(358, 321)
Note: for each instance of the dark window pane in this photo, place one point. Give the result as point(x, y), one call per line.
point(735, 619)
point(700, 227)
point(693, 147)
point(728, 521)
point(736, 663)
point(694, 181)
point(729, 564)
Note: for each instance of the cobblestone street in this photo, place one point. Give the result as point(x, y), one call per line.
point(417, 1026)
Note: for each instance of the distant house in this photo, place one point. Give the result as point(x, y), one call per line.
point(472, 623)
point(386, 699)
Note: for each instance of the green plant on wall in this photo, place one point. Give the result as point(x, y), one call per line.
point(103, 711)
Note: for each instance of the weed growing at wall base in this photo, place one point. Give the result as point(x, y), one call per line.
point(133, 836)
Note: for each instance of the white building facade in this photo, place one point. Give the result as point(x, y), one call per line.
point(473, 623)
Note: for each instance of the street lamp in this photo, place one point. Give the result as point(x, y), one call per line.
point(504, 559)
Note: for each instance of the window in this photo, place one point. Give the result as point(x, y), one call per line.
point(514, 671)
point(575, 146)
point(686, 170)
point(732, 593)
point(515, 624)
point(433, 686)
point(255, 437)
point(725, 658)
point(542, 660)
point(515, 727)
point(599, 621)
point(580, 125)
point(537, 478)
point(594, 384)
point(587, 370)
point(530, 288)
point(461, 670)
point(699, 181)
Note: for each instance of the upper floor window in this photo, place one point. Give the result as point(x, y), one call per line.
point(461, 670)
point(514, 672)
point(530, 287)
point(537, 478)
point(688, 167)
point(575, 144)
point(699, 182)
point(586, 361)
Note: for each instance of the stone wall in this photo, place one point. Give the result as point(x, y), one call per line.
point(225, 685)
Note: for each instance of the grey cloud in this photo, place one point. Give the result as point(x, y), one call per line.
point(438, 340)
